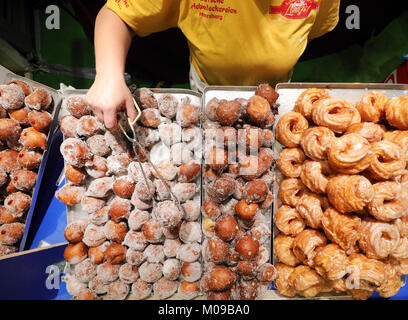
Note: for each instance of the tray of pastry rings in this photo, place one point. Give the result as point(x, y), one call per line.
point(237, 191)
point(28, 115)
point(342, 195)
point(134, 211)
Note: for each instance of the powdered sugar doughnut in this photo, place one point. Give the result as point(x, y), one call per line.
point(73, 285)
point(20, 115)
point(169, 133)
point(86, 294)
point(150, 272)
point(172, 232)
point(135, 172)
point(9, 129)
point(74, 175)
point(211, 109)
point(98, 146)
point(68, 125)
point(118, 290)
point(32, 139)
point(85, 271)
point(165, 288)
point(74, 231)
point(260, 232)
point(141, 289)
point(8, 160)
point(166, 169)
point(98, 286)
point(190, 232)
point(170, 247)
point(38, 99)
point(23, 85)
point(145, 98)
point(139, 204)
point(150, 118)
point(167, 214)
point(6, 216)
point(147, 137)
point(91, 204)
point(100, 188)
point(40, 120)
point(191, 271)
point(168, 105)
point(77, 106)
point(117, 164)
point(180, 154)
point(184, 191)
point(123, 187)
point(107, 272)
point(11, 97)
point(75, 152)
point(144, 191)
point(11, 233)
point(115, 231)
point(171, 269)
point(135, 257)
point(189, 172)
point(23, 179)
point(135, 240)
point(263, 256)
point(99, 217)
point(70, 195)
point(152, 231)
point(128, 273)
point(94, 236)
point(115, 141)
point(137, 219)
point(188, 114)
point(154, 253)
point(189, 252)
point(162, 193)
point(192, 210)
point(88, 126)
point(97, 168)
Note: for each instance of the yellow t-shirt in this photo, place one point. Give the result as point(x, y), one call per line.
point(236, 42)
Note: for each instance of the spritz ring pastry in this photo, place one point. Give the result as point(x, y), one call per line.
point(291, 191)
point(283, 250)
point(315, 175)
point(390, 201)
point(371, 106)
point(335, 114)
point(366, 274)
point(290, 128)
point(315, 142)
point(284, 286)
point(306, 245)
point(349, 154)
point(306, 100)
point(290, 162)
point(306, 281)
point(289, 221)
point(387, 160)
point(396, 112)
point(310, 209)
point(331, 262)
point(399, 137)
point(391, 284)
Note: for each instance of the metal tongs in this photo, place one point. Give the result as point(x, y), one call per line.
point(136, 144)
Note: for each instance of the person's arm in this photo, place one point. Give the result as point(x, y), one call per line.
point(109, 92)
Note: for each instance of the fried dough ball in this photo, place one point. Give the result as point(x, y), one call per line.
point(97, 167)
point(98, 286)
point(167, 214)
point(335, 114)
point(119, 208)
point(74, 175)
point(378, 239)
point(172, 232)
point(266, 91)
point(166, 170)
point(306, 281)
point(349, 154)
point(248, 290)
point(135, 257)
point(11, 97)
point(188, 115)
point(170, 247)
point(228, 112)
point(371, 106)
point(86, 294)
point(211, 109)
point(331, 262)
point(221, 278)
point(68, 125)
point(137, 219)
point(94, 235)
point(387, 161)
point(135, 240)
point(6, 216)
point(75, 253)
point(97, 145)
point(215, 250)
point(150, 118)
point(391, 284)
point(216, 158)
point(85, 270)
point(141, 289)
point(165, 288)
point(396, 113)
point(258, 110)
point(100, 188)
point(167, 105)
point(150, 272)
point(115, 253)
point(107, 272)
point(349, 193)
point(23, 179)
point(77, 106)
point(284, 286)
point(306, 245)
point(115, 141)
point(315, 142)
point(226, 227)
point(75, 152)
point(261, 232)
point(305, 102)
point(118, 164)
point(115, 231)
point(74, 232)
point(40, 120)
point(283, 250)
point(188, 290)
point(342, 229)
point(170, 133)
point(97, 254)
point(88, 126)
point(189, 171)
point(219, 295)
point(192, 210)
point(247, 269)
point(128, 273)
point(290, 128)
point(145, 98)
point(220, 189)
point(290, 162)
point(152, 231)
point(291, 191)
point(9, 129)
point(255, 191)
point(371, 131)
point(31, 139)
point(189, 252)
point(190, 232)
point(171, 269)
point(191, 271)
point(247, 247)
point(246, 211)
point(20, 115)
point(70, 195)
point(289, 221)
point(23, 85)
point(310, 209)
point(118, 290)
point(38, 99)
point(123, 188)
point(366, 273)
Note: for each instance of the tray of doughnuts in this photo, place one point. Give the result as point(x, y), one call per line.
point(237, 191)
point(122, 243)
point(28, 118)
point(341, 189)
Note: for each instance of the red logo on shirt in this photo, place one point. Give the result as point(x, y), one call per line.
point(124, 1)
point(295, 9)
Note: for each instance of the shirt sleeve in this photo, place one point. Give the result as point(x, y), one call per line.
point(326, 19)
point(147, 16)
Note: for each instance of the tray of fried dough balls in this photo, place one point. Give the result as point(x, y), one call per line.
point(341, 214)
point(237, 191)
point(127, 242)
point(28, 112)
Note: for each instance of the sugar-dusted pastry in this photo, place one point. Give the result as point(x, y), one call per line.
point(335, 114)
point(371, 106)
point(306, 100)
point(401, 251)
point(284, 286)
point(349, 193)
point(391, 284)
point(283, 250)
point(315, 175)
point(402, 225)
point(32, 139)
point(342, 229)
point(306, 245)
point(290, 128)
point(290, 162)
point(306, 281)
point(387, 160)
point(400, 266)
point(349, 154)
point(316, 141)
point(365, 273)
point(371, 131)
point(331, 262)
point(310, 209)
point(289, 221)
point(291, 191)
point(400, 138)
point(396, 112)
point(378, 239)
point(390, 201)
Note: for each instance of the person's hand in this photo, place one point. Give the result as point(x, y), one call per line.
point(108, 95)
